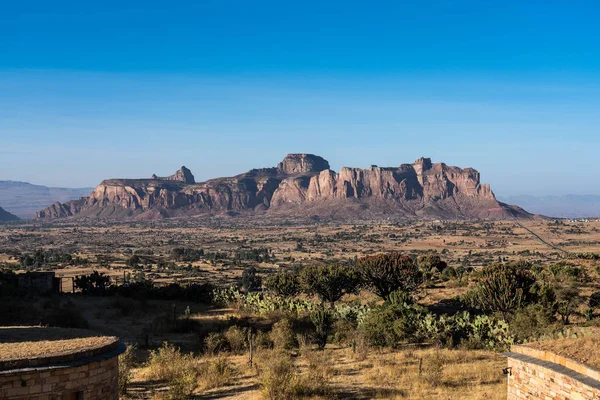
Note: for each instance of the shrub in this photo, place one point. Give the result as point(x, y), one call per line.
point(322, 320)
point(385, 273)
point(283, 284)
point(329, 282)
point(95, 283)
point(134, 261)
point(489, 333)
point(433, 368)
point(282, 335)
point(360, 347)
point(564, 271)
point(250, 280)
point(163, 362)
point(532, 322)
point(277, 376)
point(593, 303)
point(479, 332)
point(344, 331)
point(280, 380)
point(262, 340)
point(215, 373)
point(318, 375)
point(237, 338)
point(400, 298)
point(431, 263)
point(503, 288)
point(179, 370)
point(449, 273)
point(215, 343)
point(444, 331)
point(183, 384)
point(125, 365)
point(392, 324)
point(545, 295)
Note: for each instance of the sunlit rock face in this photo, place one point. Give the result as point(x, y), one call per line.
point(301, 185)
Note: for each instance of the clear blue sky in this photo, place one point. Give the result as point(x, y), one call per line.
point(98, 89)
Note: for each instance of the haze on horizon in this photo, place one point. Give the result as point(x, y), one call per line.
point(94, 91)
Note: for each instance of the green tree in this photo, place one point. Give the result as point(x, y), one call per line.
point(504, 288)
point(431, 262)
point(386, 273)
point(95, 283)
point(134, 261)
point(283, 283)
point(567, 301)
point(329, 282)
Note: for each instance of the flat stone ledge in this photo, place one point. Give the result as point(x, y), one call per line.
point(36, 346)
point(113, 350)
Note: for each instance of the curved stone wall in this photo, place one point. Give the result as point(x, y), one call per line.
point(85, 378)
point(537, 374)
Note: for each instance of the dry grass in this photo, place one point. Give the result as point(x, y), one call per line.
point(215, 373)
point(445, 374)
point(18, 343)
point(183, 374)
point(336, 374)
point(584, 349)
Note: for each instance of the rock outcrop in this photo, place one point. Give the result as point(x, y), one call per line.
point(302, 163)
point(5, 216)
point(182, 175)
point(62, 210)
point(301, 185)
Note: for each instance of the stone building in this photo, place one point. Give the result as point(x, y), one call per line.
point(58, 364)
point(39, 282)
point(32, 282)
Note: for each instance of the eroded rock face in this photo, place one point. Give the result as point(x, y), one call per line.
point(301, 184)
point(62, 210)
point(302, 163)
point(419, 181)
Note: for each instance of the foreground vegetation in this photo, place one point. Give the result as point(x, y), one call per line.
point(304, 323)
point(336, 372)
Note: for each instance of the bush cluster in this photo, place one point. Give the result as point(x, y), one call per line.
point(100, 284)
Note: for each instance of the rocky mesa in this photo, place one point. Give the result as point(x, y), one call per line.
point(300, 185)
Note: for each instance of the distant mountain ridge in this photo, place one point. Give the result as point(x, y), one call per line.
point(24, 199)
point(300, 185)
point(565, 206)
point(5, 216)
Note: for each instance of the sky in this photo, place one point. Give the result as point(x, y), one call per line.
point(95, 90)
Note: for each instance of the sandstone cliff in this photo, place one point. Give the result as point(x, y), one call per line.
point(302, 184)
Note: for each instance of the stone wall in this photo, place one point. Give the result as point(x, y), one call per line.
point(91, 379)
point(536, 374)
